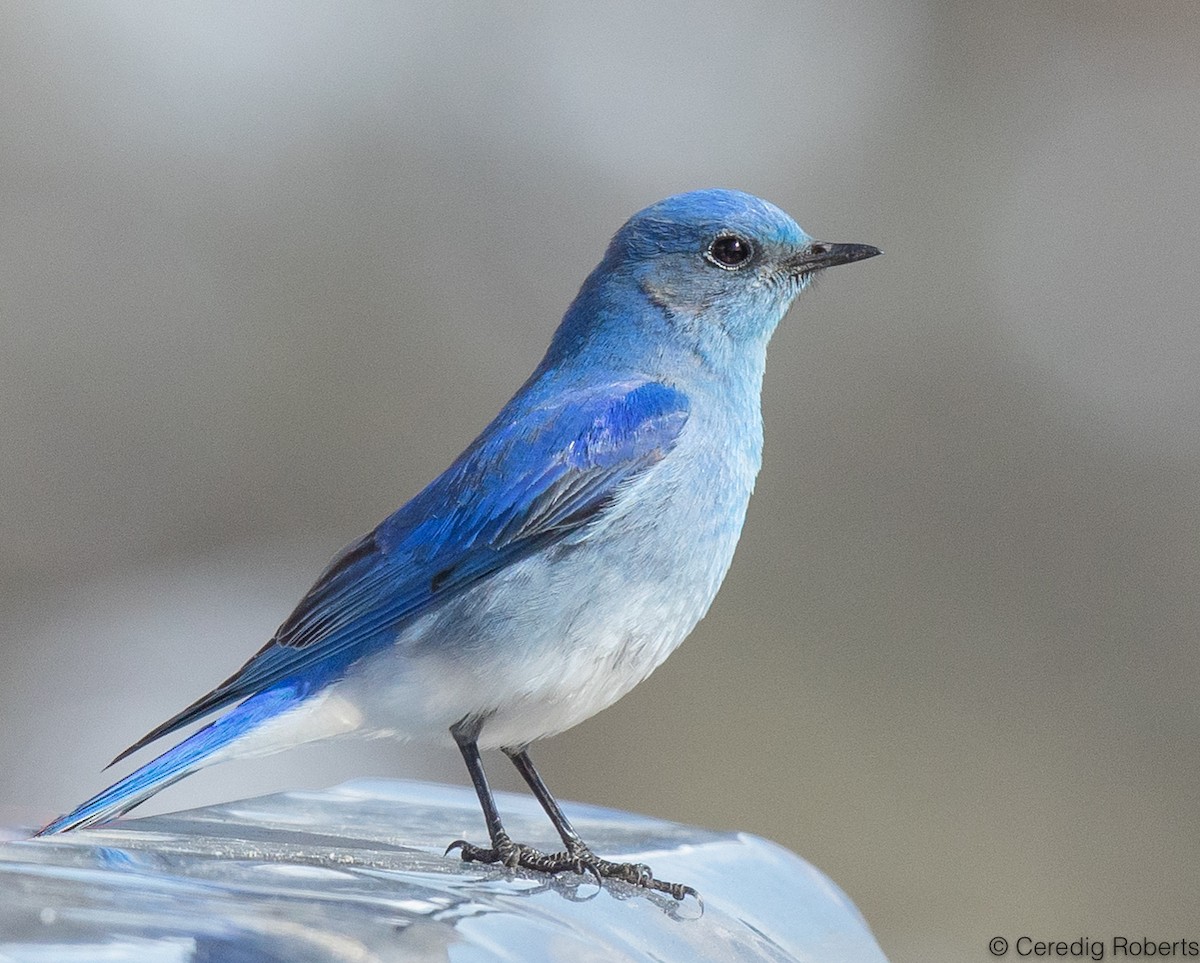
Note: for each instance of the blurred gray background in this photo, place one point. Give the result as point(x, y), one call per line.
point(265, 268)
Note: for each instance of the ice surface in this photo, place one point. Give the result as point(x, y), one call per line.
point(356, 873)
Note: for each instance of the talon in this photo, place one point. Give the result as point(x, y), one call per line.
point(679, 891)
point(470, 853)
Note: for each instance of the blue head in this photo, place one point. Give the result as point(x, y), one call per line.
point(708, 274)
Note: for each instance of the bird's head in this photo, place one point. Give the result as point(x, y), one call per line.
point(717, 268)
point(730, 257)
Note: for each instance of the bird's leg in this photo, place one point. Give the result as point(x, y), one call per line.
point(578, 856)
point(504, 850)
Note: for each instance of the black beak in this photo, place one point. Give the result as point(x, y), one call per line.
point(819, 255)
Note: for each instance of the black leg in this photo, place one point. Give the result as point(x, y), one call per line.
point(520, 759)
point(503, 849)
point(578, 856)
point(466, 732)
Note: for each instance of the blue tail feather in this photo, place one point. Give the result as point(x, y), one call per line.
point(179, 761)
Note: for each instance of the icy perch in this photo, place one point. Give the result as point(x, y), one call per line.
point(357, 873)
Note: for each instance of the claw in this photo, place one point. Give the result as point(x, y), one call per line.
point(470, 853)
point(678, 890)
point(593, 869)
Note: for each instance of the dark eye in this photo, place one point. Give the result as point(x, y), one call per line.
point(730, 251)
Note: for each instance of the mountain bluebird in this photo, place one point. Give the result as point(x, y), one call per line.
point(564, 555)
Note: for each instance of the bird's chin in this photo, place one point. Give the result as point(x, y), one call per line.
point(799, 282)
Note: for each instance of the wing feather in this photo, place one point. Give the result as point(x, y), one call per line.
point(531, 478)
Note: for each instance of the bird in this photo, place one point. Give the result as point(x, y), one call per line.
point(562, 556)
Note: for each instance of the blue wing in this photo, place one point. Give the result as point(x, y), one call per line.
point(536, 474)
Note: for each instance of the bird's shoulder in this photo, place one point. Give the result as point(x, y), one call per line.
point(549, 449)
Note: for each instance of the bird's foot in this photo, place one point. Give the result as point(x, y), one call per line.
point(576, 859)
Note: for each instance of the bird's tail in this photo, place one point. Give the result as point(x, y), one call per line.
point(198, 750)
